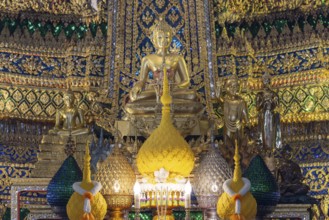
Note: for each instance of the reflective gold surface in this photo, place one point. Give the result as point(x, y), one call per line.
point(69, 119)
point(144, 97)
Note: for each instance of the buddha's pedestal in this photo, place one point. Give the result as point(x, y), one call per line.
point(150, 107)
point(287, 211)
point(52, 153)
point(145, 115)
point(140, 125)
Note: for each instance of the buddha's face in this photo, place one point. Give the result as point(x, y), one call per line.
point(162, 39)
point(68, 99)
point(232, 87)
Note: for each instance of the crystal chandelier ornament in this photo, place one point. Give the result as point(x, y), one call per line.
point(118, 179)
point(209, 177)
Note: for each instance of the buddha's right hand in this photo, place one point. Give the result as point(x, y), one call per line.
point(134, 92)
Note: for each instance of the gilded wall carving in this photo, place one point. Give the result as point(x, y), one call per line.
point(70, 9)
point(35, 104)
point(11, 170)
point(232, 11)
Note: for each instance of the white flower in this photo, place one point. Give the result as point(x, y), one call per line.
point(161, 175)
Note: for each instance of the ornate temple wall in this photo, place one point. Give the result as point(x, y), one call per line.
point(40, 55)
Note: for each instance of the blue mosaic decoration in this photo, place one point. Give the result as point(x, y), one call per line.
point(316, 177)
point(32, 65)
point(278, 64)
point(314, 151)
point(15, 154)
point(8, 171)
point(52, 67)
point(97, 66)
point(79, 68)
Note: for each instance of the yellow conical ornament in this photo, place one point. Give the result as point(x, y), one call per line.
point(237, 203)
point(86, 203)
point(165, 148)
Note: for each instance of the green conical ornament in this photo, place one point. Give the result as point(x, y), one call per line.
point(60, 188)
point(263, 184)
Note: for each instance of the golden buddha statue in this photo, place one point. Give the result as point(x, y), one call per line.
point(235, 113)
point(70, 119)
point(144, 96)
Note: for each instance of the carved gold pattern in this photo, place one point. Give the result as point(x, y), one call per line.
point(232, 11)
point(74, 9)
point(35, 104)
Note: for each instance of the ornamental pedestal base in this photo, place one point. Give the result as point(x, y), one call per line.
point(168, 216)
point(116, 214)
point(211, 214)
point(52, 154)
point(140, 125)
point(299, 211)
point(116, 204)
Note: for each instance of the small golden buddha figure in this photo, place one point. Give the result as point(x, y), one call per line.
point(235, 113)
point(70, 119)
point(144, 96)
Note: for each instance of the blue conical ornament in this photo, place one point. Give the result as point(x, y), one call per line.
point(60, 188)
point(263, 185)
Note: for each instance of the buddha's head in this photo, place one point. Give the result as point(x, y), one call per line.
point(68, 98)
point(266, 79)
point(161, 35)
point(232, 85)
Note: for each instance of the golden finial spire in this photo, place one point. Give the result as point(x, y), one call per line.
point(237, 202)
point(237, 175)
point(166, 97)
point(86, 168)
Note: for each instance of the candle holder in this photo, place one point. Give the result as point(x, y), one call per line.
point(163, 197)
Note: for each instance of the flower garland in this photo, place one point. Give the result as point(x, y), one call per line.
point(237, 196)
point(88, 197)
